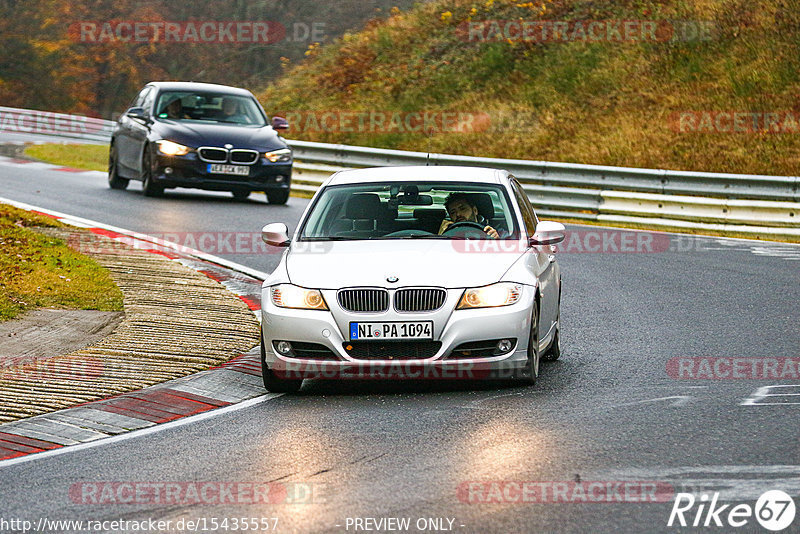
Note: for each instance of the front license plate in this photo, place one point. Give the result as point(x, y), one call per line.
point(238, 170)
point(405, 330)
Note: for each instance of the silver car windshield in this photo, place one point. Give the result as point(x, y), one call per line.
point(410, 210)
point(209, 107)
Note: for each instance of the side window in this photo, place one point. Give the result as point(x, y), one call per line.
point(147, 102)
point(524, 204)
point(140, 97)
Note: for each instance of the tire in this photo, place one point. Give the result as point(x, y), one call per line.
point(527, 375)
point(240, 195)
point(149, 188)
point(554, 350)
point(114, 179)
point(278, 197)
point(272, 382)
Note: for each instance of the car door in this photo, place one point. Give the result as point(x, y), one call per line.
point(140, 129)
point(541, 261)
point(124, 138)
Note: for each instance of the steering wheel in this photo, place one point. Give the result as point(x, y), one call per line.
point(465, 225)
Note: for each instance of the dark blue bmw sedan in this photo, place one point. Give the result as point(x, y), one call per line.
point(203, 136)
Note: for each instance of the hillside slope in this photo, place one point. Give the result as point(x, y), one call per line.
point(681, 91)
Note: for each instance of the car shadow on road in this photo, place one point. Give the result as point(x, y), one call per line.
point(353, 387)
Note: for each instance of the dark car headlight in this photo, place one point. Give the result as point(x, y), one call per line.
point(170, 148)
point(283, 154)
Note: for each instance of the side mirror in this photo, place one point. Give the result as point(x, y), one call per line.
point(279, 123)
point(549, 233)
point(138, 113)
point(276, 235)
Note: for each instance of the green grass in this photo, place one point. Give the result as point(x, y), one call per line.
point(600, 103)
point(90, 157)
point(40, 271)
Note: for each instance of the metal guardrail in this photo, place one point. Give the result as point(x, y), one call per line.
point(569, 175)
point(750, 204)
point(27, 121)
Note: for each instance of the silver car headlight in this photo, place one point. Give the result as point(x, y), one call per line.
point(493, 296)
point(291, 296)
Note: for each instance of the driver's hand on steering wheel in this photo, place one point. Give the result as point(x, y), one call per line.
point(444, 226)
point(491, 232)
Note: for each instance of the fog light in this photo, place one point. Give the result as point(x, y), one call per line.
point(504, 345)
point(167, 170)
point(279, 179)
point(284, 347)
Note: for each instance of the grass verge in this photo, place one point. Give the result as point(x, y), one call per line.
point(40, 271)
point(89, 157)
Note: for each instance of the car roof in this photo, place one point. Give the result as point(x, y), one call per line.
point(418, 173)
point(200, 87)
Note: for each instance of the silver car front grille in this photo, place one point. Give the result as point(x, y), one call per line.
point(375, 300)
point(424, 299)
point(363, 300)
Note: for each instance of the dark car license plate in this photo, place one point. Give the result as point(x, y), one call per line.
point(238, 170)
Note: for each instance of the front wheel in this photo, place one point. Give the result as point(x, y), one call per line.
point(527, 375)
point(554, 352)
point(149, 187)
point(114, 179)
point(273, 382)
point(278, 197)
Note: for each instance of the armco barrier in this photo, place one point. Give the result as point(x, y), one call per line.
point(764, 206)
point(27, 121)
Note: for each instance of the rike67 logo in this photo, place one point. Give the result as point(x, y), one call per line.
point(774, 510)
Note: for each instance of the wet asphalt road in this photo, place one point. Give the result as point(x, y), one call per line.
point(607, 411)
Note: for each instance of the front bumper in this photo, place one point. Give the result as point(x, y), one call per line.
point(190, 171)
point(452, 328)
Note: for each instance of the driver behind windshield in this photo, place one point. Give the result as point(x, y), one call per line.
point(460, 208)
point(231, 111)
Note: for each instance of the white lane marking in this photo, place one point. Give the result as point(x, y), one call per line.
point(727, 241)
point(143, 432)
point(88, 223)
point(679, 400)
point(766, 392)
point(733, 482)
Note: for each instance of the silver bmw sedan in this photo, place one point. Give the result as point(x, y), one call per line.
point(412, 272)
